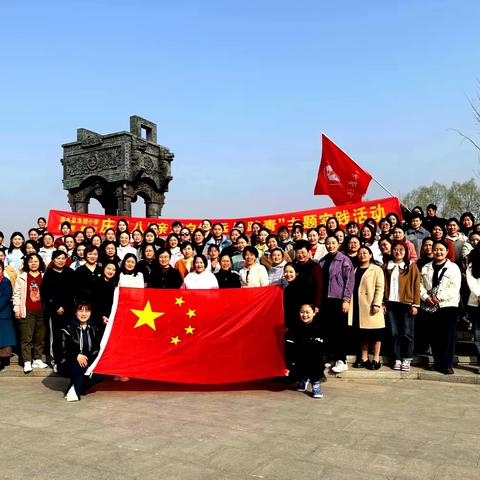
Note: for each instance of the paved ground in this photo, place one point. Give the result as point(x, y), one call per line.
point(362, 429)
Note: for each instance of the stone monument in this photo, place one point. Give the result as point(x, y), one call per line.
point(117, 168)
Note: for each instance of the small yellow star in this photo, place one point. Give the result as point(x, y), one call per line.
point(175, 340)
point(189, 329)
point(179, 301)
point(191, 313)
point(146, 316)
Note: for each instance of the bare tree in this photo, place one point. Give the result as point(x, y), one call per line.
point(475, 106)
point(451, 200)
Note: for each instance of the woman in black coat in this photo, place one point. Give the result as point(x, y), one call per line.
point(148, 263)
point(87, 275)
point(80, 346)
point(103, 294)
point(164, 275)
point(226, 277)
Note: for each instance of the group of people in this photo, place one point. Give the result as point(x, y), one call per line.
point(345, 290)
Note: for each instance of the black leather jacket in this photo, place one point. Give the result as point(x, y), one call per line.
point(73, 342)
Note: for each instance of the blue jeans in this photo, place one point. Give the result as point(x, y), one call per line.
point(402, 328)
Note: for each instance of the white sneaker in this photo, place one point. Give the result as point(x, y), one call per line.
point(340, 366)
point(27, 367)
point(405, 366)
point(71, 395)
point(39, 364)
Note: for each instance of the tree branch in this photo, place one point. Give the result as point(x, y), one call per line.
point(466, 138)
point(475, 109)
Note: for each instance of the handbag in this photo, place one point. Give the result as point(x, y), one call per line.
point(433, 292)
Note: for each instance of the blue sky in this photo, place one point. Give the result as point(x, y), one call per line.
point(240, 92)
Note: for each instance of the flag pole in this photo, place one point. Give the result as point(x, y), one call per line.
point(389, 192)
point(376, 181)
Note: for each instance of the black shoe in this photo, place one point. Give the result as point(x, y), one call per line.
point(359, 363)
point(448, 371)
point(432, 367)
point(322, 379)
point(374, 365)
point(478, 371)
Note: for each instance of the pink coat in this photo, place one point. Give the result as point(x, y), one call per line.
point(20, 294)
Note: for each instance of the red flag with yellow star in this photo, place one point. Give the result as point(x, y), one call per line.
point(194, 336)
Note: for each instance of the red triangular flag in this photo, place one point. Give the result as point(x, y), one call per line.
point(339, 176)
point(194, 336)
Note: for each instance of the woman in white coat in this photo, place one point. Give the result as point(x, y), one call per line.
point(253, 274)
point(440, 283)
point(200, 278)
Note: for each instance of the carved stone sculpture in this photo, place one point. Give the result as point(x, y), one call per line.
point(117, 168)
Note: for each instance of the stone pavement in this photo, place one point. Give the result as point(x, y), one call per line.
point(465, 371)
point(362, 429)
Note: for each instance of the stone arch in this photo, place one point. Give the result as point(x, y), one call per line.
point(147, 190)
point(93, 187)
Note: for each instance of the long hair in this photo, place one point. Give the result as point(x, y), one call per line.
point(372, 231)
point(114, 279)
point(364, 247)
point(122, 266)
point(118, 232)
point(144, 241)
point(11, 247)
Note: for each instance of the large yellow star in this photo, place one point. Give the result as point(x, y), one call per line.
point(175, 340)
point(191, 313)
point(179, 301)
point(189, 329)
point(146, 316)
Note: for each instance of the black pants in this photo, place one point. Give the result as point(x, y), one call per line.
point(337, 327)
point(79, 380)
point(55, 323)
point(421, 337)
point(310, 360)
point(442, 327)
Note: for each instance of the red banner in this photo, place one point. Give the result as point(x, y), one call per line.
point(356, 212)
point(194, 336)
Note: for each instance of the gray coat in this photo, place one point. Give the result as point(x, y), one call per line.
point(416, 237)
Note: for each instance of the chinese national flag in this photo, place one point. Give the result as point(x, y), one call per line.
point(339, 176)
point(194, 336)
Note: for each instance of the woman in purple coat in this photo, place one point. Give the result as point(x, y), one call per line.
point(337, 290)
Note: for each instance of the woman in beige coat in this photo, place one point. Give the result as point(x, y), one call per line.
point(366, 314)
